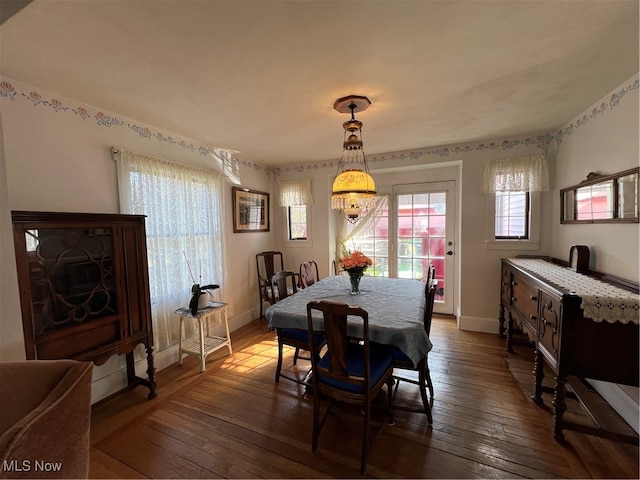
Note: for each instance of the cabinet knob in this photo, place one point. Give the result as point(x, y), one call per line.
point(532, 317)
point(533, 297)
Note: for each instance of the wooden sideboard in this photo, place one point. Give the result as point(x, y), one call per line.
point(571, 344)
point(84, 288)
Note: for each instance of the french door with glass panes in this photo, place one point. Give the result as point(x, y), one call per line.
point(411, 230)
point(424, 225)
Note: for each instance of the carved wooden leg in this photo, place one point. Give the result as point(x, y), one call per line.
point(501, 320)
point(509, 333)
point(151, 373)
point(538, 374)
point(560, 406)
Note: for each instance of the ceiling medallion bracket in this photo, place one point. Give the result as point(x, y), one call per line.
point(351, 104)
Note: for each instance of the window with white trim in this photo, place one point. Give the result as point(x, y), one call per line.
point(297, 222)
point(513, 203)
point(296, 197)
point(512, 216)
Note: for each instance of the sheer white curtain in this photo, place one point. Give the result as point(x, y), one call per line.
point(295, 193)
point(347, 231)
point(185, 242)
point(518, 174)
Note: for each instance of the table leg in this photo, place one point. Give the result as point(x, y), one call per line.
point(202, 357)
point(226, 328)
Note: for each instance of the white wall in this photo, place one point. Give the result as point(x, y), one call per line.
point(603, 139)
point(57, 158)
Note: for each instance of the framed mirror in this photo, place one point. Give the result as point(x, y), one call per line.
point(602, 199)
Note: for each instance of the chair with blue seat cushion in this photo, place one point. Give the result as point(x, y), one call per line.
point(352, 370)
point(285, 284)
point(402, 362)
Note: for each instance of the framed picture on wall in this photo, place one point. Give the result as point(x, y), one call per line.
point(250, 210)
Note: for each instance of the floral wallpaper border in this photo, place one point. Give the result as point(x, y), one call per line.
point(106, 120)
point(596, 111)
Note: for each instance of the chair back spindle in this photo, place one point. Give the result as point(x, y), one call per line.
point(309, 273)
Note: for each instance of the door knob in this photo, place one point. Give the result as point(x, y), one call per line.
point(450, 252)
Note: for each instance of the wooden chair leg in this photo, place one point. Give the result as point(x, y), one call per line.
point(295, 355)
point(423, 394)
point(316, 416)
point(429, 382)
point(365, 437)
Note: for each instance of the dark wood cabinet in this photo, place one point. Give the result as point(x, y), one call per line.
point(572, 344)
point(84, 287)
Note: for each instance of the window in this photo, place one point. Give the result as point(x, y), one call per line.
point(296, 197)
point(371, 236)
point(297, 222)
point(374, 242)
point(185, 242)
point(513, 203)
point(512, 215)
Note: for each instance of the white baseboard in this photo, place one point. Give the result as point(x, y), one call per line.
point(622, 399)
point(478, 324)
point(112, 376)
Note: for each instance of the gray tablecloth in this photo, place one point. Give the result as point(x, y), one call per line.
point(395, 306)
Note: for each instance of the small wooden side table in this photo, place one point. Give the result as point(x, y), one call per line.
point(203, 344)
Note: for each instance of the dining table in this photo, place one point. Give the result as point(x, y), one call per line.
point(395, 307)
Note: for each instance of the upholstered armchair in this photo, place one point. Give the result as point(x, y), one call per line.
point(45, 419)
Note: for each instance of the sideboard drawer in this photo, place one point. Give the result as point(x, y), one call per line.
point(524, 301)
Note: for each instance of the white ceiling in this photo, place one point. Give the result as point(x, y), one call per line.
point(260, 77)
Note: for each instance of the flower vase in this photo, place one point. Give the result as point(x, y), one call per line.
point(355, 277)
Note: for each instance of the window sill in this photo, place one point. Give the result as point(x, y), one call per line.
point(511, 245)
point(299, 243)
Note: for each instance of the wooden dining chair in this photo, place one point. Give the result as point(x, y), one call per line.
point(335, 265)
point(352, 370)
point(267, 264)
point(402, 362)
point(308, 273)
point(284, 284)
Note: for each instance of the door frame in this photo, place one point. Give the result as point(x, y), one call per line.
point(449, 306)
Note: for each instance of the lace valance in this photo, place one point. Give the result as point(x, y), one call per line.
point(295, 193)
point(519, 174)
point(601, 301)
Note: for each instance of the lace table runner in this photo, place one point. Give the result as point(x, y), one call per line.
point(601, 301)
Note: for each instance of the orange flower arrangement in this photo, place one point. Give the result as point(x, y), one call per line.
point(356, 261)
point(355, 264)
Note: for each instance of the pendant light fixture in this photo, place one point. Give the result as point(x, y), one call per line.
point(354, 191)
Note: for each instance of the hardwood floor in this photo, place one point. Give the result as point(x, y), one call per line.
point(233, 421)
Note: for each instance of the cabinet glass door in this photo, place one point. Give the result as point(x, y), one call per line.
point(71, 276)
